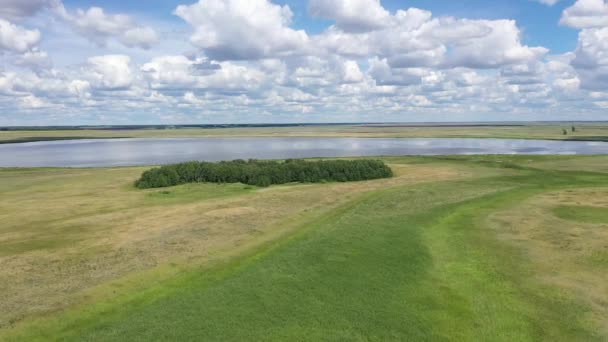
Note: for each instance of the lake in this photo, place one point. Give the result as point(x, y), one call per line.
point(127, 152)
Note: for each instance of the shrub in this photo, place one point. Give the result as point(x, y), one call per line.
point(264, 173)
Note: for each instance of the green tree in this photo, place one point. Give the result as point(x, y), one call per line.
point(264, 173)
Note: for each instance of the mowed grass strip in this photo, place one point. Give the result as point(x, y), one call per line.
point(408, 263)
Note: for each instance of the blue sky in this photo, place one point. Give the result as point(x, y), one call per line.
point(229, 61)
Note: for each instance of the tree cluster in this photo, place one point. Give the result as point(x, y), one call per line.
point(264, 173)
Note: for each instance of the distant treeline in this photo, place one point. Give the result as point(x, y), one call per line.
point(162, 127)
point(264, 173)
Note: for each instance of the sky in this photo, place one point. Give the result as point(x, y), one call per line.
point(79, 62)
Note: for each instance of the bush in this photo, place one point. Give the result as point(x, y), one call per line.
point(264, 173)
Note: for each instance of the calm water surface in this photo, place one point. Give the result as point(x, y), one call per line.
point(124, 152)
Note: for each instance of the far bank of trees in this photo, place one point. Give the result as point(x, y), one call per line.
point(264, 173)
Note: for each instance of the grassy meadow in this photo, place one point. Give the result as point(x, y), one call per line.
point(583, 131)
point(453, 248)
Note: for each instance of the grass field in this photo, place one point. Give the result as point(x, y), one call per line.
point(501, 248)
point(587, 131)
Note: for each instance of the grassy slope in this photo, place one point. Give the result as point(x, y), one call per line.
point(69, 236)
point(417, 262)
point(584, 132)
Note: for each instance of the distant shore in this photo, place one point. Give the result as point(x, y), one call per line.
point(295, 124)
point(582, 131)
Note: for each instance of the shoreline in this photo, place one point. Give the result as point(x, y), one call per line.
point(50, 139)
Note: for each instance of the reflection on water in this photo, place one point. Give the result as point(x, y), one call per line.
point(123, 152)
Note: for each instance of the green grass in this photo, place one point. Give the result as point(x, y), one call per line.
point(418, 262)
point(583, 214)
point(406, 263)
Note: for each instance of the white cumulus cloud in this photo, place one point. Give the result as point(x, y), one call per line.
point(17, 38)
point(110, 71)
point(586, 14)
point(352, 15)
point(99, 26)
point(242, 29)
point(591, 58)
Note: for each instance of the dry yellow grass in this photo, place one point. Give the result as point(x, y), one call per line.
point(564, 252)
point(581, 163)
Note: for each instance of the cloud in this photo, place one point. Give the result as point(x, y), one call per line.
point(192, 99)
point(245, 61)
point(591, 58)
point(7, 81)
point(548, 2)
point(232, 78)
point(16, 38)
point(110, 72)
point(352, 15)
point(169, 71)
point(242, 29)
point(95, 24)
point(586, 14)
point(15, 10)
point(33, 102)
point(34, 59)
point(143, 37)
point(416, 39)
point(383, 74)
point(350, 72)
point(488, 43)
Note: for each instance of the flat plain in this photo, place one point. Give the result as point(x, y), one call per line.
point(583, 131)
point(452, 248)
